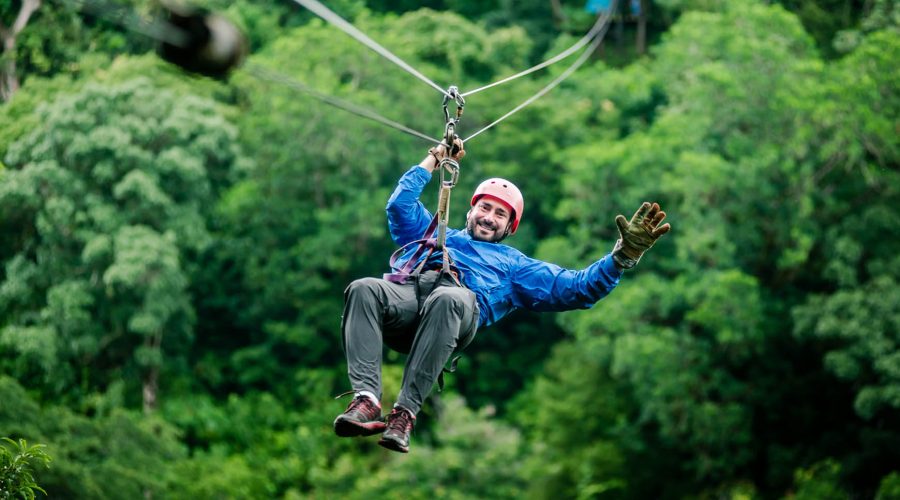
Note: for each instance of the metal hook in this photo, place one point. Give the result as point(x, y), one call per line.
point(450, 165)
point(458, 99)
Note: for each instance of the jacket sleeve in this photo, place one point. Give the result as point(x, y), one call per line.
point(541, 286)
point(407, 216)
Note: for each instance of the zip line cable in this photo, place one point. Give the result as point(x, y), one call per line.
point(594, 36)
point(167, 33)
point(565, 74)
point(327, 14)
point(595, 29)
point(174, 35)
point(272, 76)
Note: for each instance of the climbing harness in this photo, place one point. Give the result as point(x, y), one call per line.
point(431, 242)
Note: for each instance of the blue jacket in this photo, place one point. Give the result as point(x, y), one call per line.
point(502, 278)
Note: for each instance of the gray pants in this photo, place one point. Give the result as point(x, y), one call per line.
point(409, 318)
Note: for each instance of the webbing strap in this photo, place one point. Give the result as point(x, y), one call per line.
point(448, 166)
point(439, 222)
point(426, 242)
point(443, 215)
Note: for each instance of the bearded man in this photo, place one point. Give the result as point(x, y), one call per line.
point(432, 313)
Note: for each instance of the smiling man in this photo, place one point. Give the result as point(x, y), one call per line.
point(431, 313)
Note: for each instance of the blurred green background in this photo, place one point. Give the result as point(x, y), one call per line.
point(174, 249)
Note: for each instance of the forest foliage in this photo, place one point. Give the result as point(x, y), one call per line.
point(174, 250)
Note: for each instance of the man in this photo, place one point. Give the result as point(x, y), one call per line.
point(431, 314)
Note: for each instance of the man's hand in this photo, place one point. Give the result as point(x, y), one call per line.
point(457, 150)
point(638, 234)
point(439, 152)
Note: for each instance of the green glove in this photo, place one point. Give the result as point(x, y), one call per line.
point(638, 234)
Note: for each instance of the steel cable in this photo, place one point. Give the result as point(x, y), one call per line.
point(565, 74)
point(163, 31)
point(593, 32)
point(273, 76)
point(327, 14)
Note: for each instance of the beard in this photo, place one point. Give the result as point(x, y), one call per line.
point(496, 237)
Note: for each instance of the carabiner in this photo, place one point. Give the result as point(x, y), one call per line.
point(453, 93)
point(450, 165)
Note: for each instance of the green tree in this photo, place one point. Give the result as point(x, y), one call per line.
point(106, 207)
point(744, 145)
point(112, 454)
point(16, 464)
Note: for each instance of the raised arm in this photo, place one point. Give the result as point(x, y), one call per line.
point(542, 286)
point(407, 216)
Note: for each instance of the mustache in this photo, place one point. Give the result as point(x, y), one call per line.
point(490, 225)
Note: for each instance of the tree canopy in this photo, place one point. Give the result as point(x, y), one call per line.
point(174, 251)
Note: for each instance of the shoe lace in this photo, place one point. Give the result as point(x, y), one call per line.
point(400, 419)
point(361, 403)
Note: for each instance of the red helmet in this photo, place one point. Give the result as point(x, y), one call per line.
point(505, 191)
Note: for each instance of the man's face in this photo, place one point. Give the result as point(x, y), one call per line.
point(488, 220)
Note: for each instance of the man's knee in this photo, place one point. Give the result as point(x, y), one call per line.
point(367, 285)
point(454, 298)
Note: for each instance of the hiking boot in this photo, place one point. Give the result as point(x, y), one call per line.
point(361, 418)
point(399, 424)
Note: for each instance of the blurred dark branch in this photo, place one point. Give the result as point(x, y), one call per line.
point(9, 81)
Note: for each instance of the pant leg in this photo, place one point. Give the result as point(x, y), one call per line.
point(373, 308)
point(449, 316)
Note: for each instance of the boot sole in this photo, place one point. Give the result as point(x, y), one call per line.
point(393, 445)
point(350, 428)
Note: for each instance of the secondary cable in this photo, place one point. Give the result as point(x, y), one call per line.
point(565, 74)
point(594, 31)
point(174, 37)
point(273, 76)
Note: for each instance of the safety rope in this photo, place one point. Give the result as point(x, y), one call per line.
point(446, 165)
point(327, 14)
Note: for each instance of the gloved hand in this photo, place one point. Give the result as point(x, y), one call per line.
point(440, 151)
point(638, 234)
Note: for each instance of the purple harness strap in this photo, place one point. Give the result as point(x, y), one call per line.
point(426, 242)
